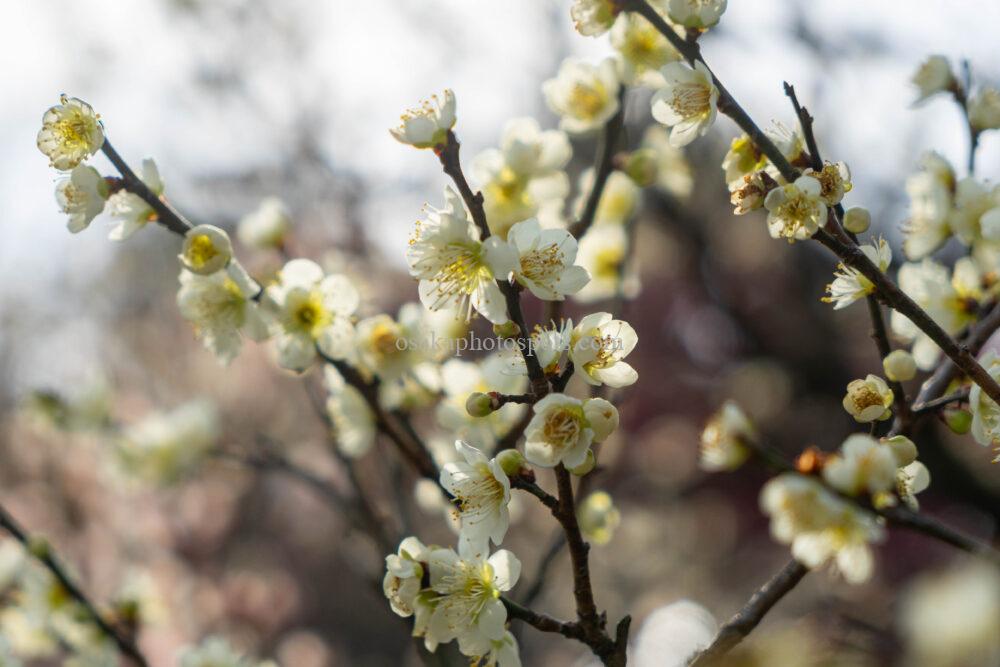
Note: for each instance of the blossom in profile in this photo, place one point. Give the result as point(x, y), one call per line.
point(594, 17)
point(428, 125)
point(81, 196)
point(404, 571)
point(598, 517)
point(598, 347)
point(849, 284)
point(932, 77)
point(563, 428)
point(482, 492)
point(863, 465)
point(266, 226)
point(673, 171)
point(583, 95)
point(795, 211)
point(222, 308)
point(457, 271)
point(352, 420)
point(984, 109)
point(71, 132)
point(644, 50)
point(697, 14)
point(742, 159)
point(603, 252)
point(931, 191)
point(687, 103)
point(131, 211)
point(985, 412)
point(725, 439)
point(313, 311)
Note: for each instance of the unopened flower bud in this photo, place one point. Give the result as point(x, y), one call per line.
point(857, 219)
point(641, 166)
point(511, 461)
point(959, 421)
point(903, 449)
point(899, 366)
point(586, 466)
point(479, 404)
point(508, 329)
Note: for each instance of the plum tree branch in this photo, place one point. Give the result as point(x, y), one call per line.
point(166, 215)
point(42, 552)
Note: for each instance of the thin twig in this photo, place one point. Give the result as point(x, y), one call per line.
point(165, 213)
point(603, 166)
point(934, 405)
point(747, 618)
point(48, 559)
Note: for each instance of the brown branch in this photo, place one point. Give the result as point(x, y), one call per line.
point(45, 556)
point(936, 404)
point(747, 618)
point(166, 215)
point(544, 623)
point(840, 244)
point(907, 518)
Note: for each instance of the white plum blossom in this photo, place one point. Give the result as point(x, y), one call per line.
point(428, 125)
point(834, 181)
point(932, 77)
point(643, 49)
point(583, 95)
point(459, 379)
point(985, 412)
point(673, 171)
point(524, 177)
point(603, 252)
point(672, 634)
point(486, 652)
point(466, 598)
point(849, 284)
point(687, 103)
point(820, 526)
point(222, 308)
point(598, 346)
point(594, 17)
point(129, 209)
point(456, 270)
point(863, 464)
point(869, 399)
point(545, 261)
point(214, 652)
point(984, 109)
point(598, 517)
point(206, 249)
point(81, 196)
point(482, 492)
point(313, 311)
point(563, 428)
point(163, 447)
point(266, 226)
point(71, 132)
point(724, 441)
point(352, 421)
point(974, 212)
point(742, 159)
point(618, 201)
point(697, 14)
point(390, 348)
point(404, 571)
point(931, 191)
point(795, 211)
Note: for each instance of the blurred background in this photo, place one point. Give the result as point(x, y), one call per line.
point(239, 100)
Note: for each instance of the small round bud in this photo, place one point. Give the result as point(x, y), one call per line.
point(857, 219)
point(903, 449)
point(641, 166)
point(959, 421)
point(511, 461)
point(479, 404)
point(38, 547)
point(207, 249)
point(899, 366)
point(506, 330)
point(586, 466)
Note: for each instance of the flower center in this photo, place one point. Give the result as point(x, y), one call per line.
point(384, 339)
point(201, 250)
point(691, 100)
point(73, 129)
point(479, 494)
point(542, 264)
point(865, 397)
point(562, 427)
point(311, 316)
point(588, 100)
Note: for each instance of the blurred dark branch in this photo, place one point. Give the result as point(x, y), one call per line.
point(42, 552)
point(165, 213)
point(835, 239)
point(936, 404)
point(747, 618)
point(603, 166)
